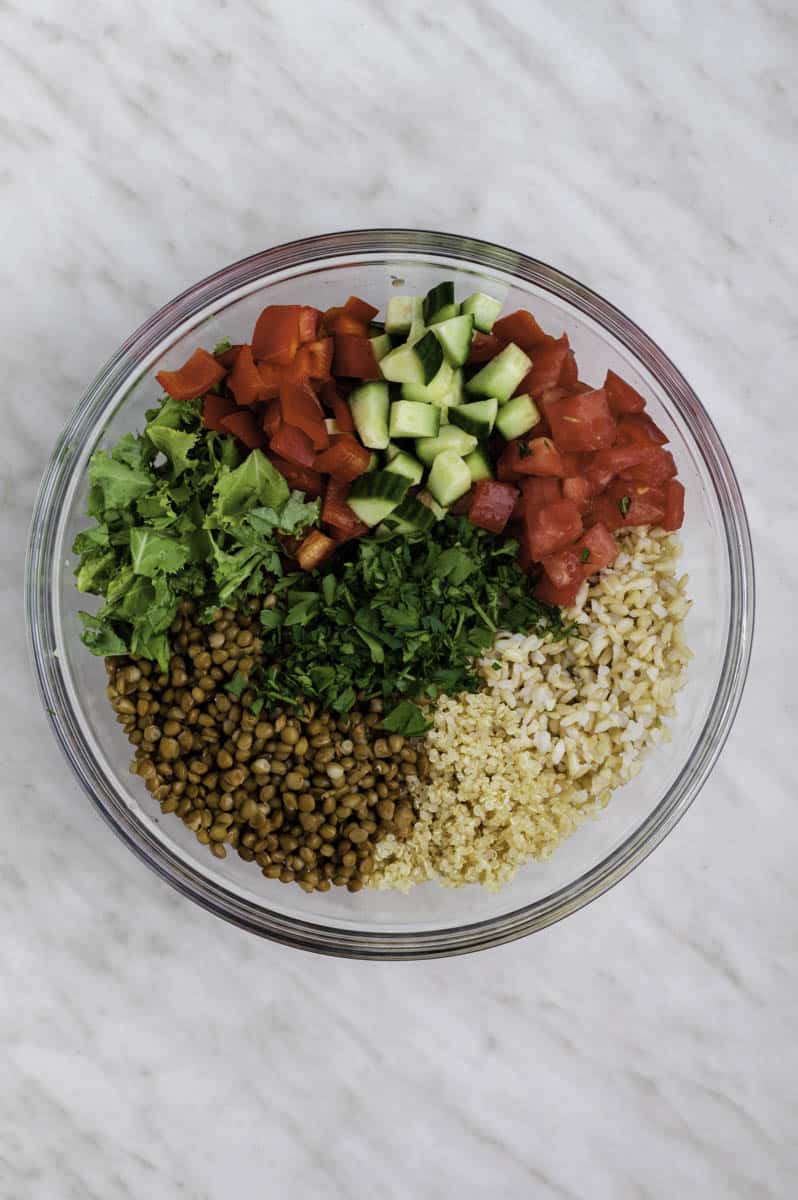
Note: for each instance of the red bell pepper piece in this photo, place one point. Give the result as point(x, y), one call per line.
point(214, 409)
point(313, 359)
point(293, 445)
point(492, 504)
point(302, 479)
point(345, 460)
point(271, 377)
point(315, 550)
point(361, 310)
point(198, 375)
point(228, 357)
point(335, 511)
point(245, 380)
point(343, 415)
point(354, 356)
point(276, 335)
point(271, 418)
point(246, 427)
point(309, 323)
point(299, 407)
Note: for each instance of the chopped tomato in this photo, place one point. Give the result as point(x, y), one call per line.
point(579, 489)
point(463, 505)
point(621, 396)
point(569, 375)
point(246, 427)
point(300, 478)
point(637, 503)
point(638, 427)
point(314, 359)
point(551, 528)
point(271, 418)
point(598, 477)
point(214, 410)
point(565, 597)
point(564, 567)
point(582, 422)
point(617, 460)
point(299, 406)
point(601, 548)
point(245, 380)
point(674, 505)
point(228, 357)
point(309, 322)
point(354, 356)
point(335, 511)
point(547, 367)
point(315, 550)
point(659, 467)
point(536, 491)
point(271, 377)
point(198, 375)
point(522, 328)
point(606, 511)
point(484, 347)
point(492, 504)
point(345, 460)
point(534, 456)
point(294, 445)
point(361, 310)
point(276, 335)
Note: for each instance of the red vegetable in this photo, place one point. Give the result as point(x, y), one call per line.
point(638, 427)
point(582, 421)
point(579, 489)
point(342, 414)
point(601, 548)
point(245, 381)
point(492, 504)
point(547, 368)
point(674, 505)
point(198, 375)
point(338, 320)
point(309, 322)
point(532, 456)
point(313, 359)
point(276, 335)
point(659, 467)
point(536, 492)
point(637, 503)
point(619, 459)
point(621, 396)
point(361, 310)
point(354, 356)
point(484, 347)
point(299, 407)
point(297, 477)
point(214, 409)
point(335, 511)
point(271, 418)
point(345, 460)
point(271, 377)
point(228, 357)
point(522, 328)
point(315, 549)
point(564, 567)
point(246, 427)
point(565, 597)
point(551, 528)
point(463, 505)
point(294, 445)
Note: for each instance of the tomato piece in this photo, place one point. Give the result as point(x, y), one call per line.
point(316, 548)
point(299, 407)
point(638, 427)
point(536, 491)
point(547, 367)
point(198, 375)
point(659, 467)
point(674, 505)
point(228, 357)
point(354, 356)
point(345, 460)
point(214, 410)
point(245, 380)
point(601, 547)
point(564, 597)
point(569, 375)
point(637, 503)
point(293, 445)
point(271, 418)
point(484, 347)
point(271, 377)
point(522, 328)
point(314, 359)
point(564, 567)
point(579, 489)
point(621, 396)
point(246, 427)
point(276, 335)
point(598, 477)
point(534, 456)
point(582, 421)
point(309, 322)
point(297, 477)
point(462, 506)
point(507, 464)
point(617, 460)
point(492, 504)
point(551, 528)
point(361, 310)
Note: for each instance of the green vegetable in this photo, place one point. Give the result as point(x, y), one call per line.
point(623, 505)
point(585, 555)
point(406, 718)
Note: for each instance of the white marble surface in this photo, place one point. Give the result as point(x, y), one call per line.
point(646, 1048)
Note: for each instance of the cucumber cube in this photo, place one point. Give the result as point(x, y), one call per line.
point(517, 416)
point(369, 406)
point(455, 336)
point(449, 478)
point(404, 464)
point(414, 420)
point(484, 310)
point(400, 313)
point(477, 418)
point(478, 464)
point(449, 438)
point(502, 375)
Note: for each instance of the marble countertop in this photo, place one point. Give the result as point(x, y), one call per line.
point(643, 1049)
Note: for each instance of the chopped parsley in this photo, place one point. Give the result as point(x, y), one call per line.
point(585, 554)
point(623, 505)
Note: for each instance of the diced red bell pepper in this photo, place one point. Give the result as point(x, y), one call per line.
point(299, 407)
point(674, 505)
point(214, 410)
point(246, 427)
point(621, 396)
point(344, 322)
point(297, 477)
point(276, 335)
point(564, 567)
point(637, 503)
point(342, 414)
point(335, 511)
point(658, 468)
point(484, 347)
point(354, 356)
point(522, 328)
point(271, 378)
point(564, 597)
point(492, 504)
point(309, 323)
point(271, 418)
point(198, 375)
point(551, 528)
point(547, 367)
point(638, 427)
point(579, 489)
point(582, 421)
point(313, 360)
point(345, 460)
point(315, 550)
point(245, 380)
point(228, 357)
point(361, 310)
point(601, 548)
point(294, 445)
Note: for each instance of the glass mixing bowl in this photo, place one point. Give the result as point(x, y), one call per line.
point(430, 920)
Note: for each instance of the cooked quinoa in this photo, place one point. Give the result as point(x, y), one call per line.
point(515, 768)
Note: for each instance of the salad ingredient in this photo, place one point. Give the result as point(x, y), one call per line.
point(501, 376)
point(198, 375)
point(449, 478)
point(484, 309)
point(516, 768)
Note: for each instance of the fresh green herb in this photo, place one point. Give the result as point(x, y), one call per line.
point(623, 505)
point(236, 685)
point(585, 554)
point(406, 718)
point(496, 666)
point(256, 706)
point(224, 345)
point(524, 450)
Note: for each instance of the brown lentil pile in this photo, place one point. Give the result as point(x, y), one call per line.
point(304, 794)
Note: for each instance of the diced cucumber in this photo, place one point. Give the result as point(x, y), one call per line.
point(374, 462)
point(436, 389)
point(502, 375)
point(391, 451)
point(484, 310)
point(449, 477)
point(477, 418)
point(381, 345)
point(411, 419)
point(400, 313)
point(375, 495)
point(369, 405)
point(517, 416)
point(479, 465)
point(455, 336)
point(449, 438)
point(437, 510)
point(444, 313)
point(404, 464)
point(410, 518)
point(436, 300)
point(456, 393)
point(418, 363)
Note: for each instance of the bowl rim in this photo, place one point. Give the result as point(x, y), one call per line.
point(211, 894)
